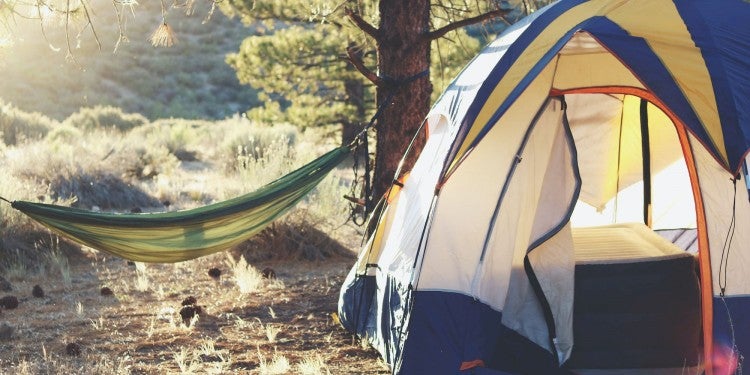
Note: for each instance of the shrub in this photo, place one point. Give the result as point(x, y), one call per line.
point(176, 134)
point(258, 144)
point(17, 126)
point(63, 133)
point(144, 162)
point(91, 118)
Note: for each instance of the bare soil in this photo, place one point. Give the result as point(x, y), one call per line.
point(287, 325)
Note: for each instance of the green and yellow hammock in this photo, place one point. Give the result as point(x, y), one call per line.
point(182, 235)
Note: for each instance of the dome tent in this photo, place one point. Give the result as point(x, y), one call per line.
point(527, 233)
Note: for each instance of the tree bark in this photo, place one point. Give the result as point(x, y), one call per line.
point(403, 52)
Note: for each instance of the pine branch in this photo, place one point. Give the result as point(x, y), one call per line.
point(90, 23)
point(44, 33)
point(363, 25)
point(356, 60)
point(439, 33)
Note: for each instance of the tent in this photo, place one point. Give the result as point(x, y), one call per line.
point(579, 206)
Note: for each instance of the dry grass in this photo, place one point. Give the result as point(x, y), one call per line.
point(141, 331)
point(247, 277)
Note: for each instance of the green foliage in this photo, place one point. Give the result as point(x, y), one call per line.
point(17, 126)
point(62, 172)
point(301, 75)
point(253, 146)
point(144, 162)
point(98, 117)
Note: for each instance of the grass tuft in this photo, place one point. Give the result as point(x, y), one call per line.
point(271, 332)
point(313, 365)
point(279, 364)
point(247, 277)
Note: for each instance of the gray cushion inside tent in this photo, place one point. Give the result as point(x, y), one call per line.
point(637, 301)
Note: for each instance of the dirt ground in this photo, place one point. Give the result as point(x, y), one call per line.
point(285, 325)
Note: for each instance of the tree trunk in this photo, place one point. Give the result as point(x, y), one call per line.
point(403, 52)
point(355, 94)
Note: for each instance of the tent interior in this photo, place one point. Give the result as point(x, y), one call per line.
point(636, 293)
point(636, 286)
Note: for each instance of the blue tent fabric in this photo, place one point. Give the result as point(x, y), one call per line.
point(357, 300)
point(731, 324)
point(725, 43)
point(358, 312)
point(447, 329)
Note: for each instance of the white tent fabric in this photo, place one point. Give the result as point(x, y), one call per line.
point(464, 202)
point(610, 187)
point(550, 241)
point(719, 196)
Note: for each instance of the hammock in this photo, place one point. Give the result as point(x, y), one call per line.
point(182, 235)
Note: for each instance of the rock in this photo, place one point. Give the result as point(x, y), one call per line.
point(9, 302)
point(73, 349)
point(5, 285)
point(105, 291)
point(188, 312)
point(6, 331)
point(268, 273)
point(189, 301)
point(37, 291)
point(214, 272)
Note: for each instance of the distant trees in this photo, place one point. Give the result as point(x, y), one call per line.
point(323, 62)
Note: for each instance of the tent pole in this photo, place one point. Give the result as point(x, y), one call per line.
point(646, 156)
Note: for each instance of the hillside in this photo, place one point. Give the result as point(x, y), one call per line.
point(188, 80)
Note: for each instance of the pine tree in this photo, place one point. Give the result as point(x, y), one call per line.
point(307, 79)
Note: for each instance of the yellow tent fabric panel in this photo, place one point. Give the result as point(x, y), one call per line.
point(592, 70)
point(667, 35)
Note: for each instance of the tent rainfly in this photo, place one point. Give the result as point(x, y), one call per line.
point(580, 204)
